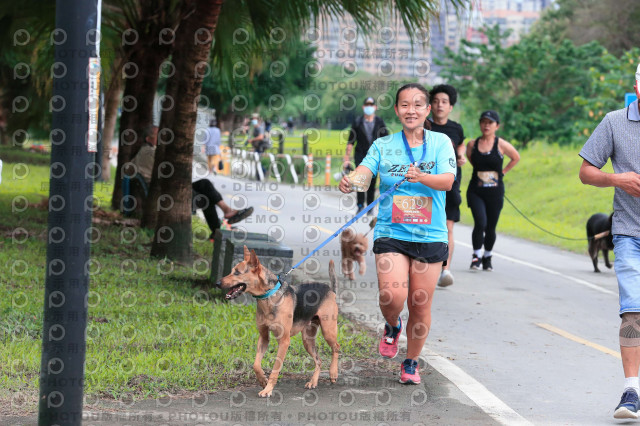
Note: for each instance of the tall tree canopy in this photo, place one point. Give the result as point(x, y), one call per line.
point(615, 24)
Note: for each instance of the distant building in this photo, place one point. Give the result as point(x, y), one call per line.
point(388, 51)
point(515, 15)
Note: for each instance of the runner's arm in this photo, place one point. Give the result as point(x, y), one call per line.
point(511, 152)
point(629, 182)
point(440, 182)
point(460, 153)
point(470, 150)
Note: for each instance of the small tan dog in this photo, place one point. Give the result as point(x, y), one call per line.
point(354, 247)
point(285, 311)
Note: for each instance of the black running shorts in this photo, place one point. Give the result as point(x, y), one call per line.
point(422, 252)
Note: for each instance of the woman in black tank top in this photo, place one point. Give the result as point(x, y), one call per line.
point(485, 194)
point(487, 167)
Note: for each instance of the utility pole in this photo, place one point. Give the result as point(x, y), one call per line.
point(74, 104)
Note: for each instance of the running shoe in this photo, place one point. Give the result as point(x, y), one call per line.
point(388, 347)
point(486, 264)
point(409, 372)
point(446, 278)
point(476, 263)
point(629, 405)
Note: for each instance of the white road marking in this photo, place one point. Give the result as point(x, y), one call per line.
point(547, 270)
point(487, 401)
point(474, 390)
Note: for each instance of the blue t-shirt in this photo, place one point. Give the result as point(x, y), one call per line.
point(413, 212)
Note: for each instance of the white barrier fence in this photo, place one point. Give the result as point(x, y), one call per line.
point(249, 165)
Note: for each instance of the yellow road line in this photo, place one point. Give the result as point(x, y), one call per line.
point(579, 340)
point(269, 210)
point(325, 230)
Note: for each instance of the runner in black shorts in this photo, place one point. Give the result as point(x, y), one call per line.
point(443, 98)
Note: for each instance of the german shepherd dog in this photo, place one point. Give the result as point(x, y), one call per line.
point(284, 311)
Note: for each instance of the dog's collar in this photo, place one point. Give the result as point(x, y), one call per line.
point(270, 292)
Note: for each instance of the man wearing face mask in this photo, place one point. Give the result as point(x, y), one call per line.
point(259, 139)
point(364, 131)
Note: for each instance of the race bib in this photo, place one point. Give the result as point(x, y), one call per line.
point(414, 210)
point(488, 179)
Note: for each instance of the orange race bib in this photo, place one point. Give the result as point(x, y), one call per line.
point(488, 179)
point(413, 210)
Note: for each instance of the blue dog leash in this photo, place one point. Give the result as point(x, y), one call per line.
point(346, 225)
point(335, 234)
point(370, 206)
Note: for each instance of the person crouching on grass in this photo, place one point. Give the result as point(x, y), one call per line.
point(410, 236)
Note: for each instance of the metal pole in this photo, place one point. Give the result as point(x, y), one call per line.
point(101, 144)
point(70, 206)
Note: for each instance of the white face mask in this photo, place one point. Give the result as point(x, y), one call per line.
point(254, 121)
point(369, 110)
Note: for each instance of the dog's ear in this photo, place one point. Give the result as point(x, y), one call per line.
point(254, 262)
point(247, 255)
point(348, 235)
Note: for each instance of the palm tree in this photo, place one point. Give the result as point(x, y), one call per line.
point(24, 42)
point(145, 28)
point(259, 17)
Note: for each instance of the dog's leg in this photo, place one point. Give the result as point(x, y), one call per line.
point(352, 269)
point(309, 340)
point(605, 254)
point(363, 265)
point(347, 268)
point(329, 325)
point(283, 345)
point(593, 254)
point(263, 344)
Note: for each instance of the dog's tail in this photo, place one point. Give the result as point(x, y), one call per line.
point(333, 277)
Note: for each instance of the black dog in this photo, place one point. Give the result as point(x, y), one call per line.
point(600, 238)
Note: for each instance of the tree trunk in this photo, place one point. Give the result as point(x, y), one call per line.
point(173, 237)
point(137, 108)
point(4, 138)
point(151, 207)
point(111, 115)
point(226, 122)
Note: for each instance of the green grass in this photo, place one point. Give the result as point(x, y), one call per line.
point(148, 332)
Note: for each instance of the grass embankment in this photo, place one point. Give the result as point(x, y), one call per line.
point(153, 327)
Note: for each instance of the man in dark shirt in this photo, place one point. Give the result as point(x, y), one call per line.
point(364, 131)
point(443, 98)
